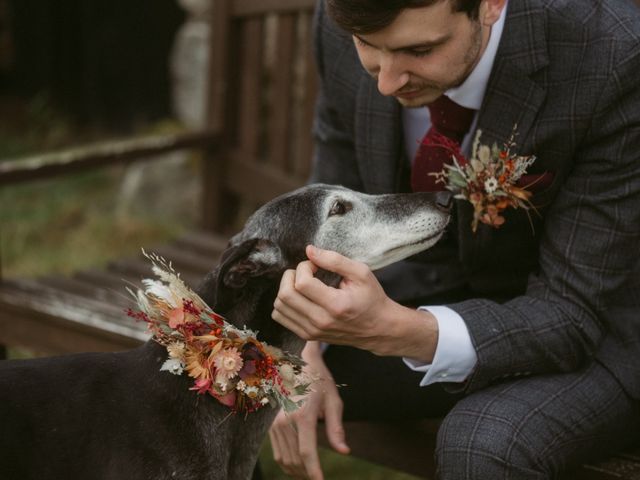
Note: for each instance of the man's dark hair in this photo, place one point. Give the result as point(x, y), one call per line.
point(368, 16)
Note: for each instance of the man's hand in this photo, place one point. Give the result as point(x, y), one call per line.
point(357, 313)
point(293, 436)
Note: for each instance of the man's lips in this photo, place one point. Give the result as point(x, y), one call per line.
point(408, 95)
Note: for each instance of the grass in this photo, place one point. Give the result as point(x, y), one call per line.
point(334, 466)
point(66, 224)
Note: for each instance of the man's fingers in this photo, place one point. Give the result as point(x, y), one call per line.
point(294, 310)
point(333, 424)
point(308, 448)
point(285, 448)
point(312, 289)
point(334, 262)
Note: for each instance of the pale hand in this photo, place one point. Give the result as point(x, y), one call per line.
point(357, 313)
point(293, 435)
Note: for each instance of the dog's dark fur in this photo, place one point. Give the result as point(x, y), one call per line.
point(116, 416)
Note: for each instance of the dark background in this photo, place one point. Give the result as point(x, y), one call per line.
point(102, 62)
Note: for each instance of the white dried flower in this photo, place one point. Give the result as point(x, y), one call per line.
point(491, 185)
point(173, 365)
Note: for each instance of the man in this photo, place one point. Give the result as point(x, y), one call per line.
point(529, 334)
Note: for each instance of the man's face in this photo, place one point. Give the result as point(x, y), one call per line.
point(426, 51)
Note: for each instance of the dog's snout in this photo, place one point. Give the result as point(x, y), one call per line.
point(444, 200)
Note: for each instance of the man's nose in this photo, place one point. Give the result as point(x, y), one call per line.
point(390, 77)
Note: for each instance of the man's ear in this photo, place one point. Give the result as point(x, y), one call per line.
point(490, 11)
point(252, 258)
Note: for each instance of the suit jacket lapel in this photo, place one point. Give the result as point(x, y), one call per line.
point(512, 100)
point(378, 138)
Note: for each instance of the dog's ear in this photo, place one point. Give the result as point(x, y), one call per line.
point(252, 258)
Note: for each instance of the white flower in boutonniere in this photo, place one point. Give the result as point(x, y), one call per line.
point(492, 180)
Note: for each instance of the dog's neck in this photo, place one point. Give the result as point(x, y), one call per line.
point(256, 315)
point(252, 309)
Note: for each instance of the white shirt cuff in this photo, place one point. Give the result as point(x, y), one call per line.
point(455, 356)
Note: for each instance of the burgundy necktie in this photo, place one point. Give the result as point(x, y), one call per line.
point(449, 124)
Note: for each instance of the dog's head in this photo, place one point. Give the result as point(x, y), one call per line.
point(375, 229)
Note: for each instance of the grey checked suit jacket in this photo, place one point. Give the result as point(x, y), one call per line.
point(567, 72)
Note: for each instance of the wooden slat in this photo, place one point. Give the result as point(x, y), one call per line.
point(52, 321)
point(99, 155)
point(623, 466)
point(304, 150)
point(252, 85)
point(204, 243)
point(112, 280)
point(282, 86)
point(218, 65)
point(44, 334)
point(112, 294)
point(141, 268)
point(186, 263)
point(253, 7)
point(257, 183)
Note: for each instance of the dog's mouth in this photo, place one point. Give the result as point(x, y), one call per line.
point(430, 239)
point(403, 251)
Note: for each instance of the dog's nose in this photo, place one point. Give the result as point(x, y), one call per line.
point(444, 200)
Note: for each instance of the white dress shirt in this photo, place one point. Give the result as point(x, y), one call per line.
point(455, 356)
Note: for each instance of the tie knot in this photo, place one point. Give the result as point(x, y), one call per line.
point(449, 118)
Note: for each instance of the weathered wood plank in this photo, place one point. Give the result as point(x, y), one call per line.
point(280, 104)
point(304, 147)
point(51, 321)
point(99, 155)
point(252, 82)
point(204, 243)
point(185, 262)
point(111, 294)
point(256, 183)
point(218, 65)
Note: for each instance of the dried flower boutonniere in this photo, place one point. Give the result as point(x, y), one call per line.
point(492, 180)
point(226, 362)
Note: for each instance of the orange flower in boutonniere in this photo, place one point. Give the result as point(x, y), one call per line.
point(491, 181)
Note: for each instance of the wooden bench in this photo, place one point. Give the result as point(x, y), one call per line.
point(257, 145)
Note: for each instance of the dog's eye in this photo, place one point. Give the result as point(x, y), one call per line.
point(339, 208)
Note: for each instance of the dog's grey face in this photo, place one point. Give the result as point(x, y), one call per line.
point(375, 229)
point(379, 229)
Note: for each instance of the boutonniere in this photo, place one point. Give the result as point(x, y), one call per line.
point(228, 363)
point(491, 180)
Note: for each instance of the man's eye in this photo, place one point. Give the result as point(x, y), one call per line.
point(419, 53)
point(360, 43)
point(339, 208)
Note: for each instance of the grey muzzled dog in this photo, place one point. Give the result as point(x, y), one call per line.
point(116, 416)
